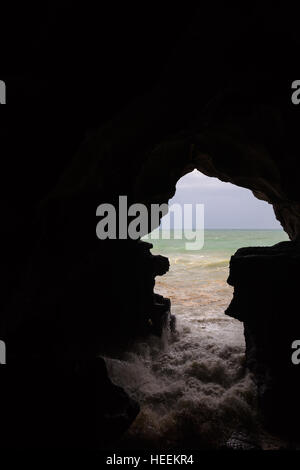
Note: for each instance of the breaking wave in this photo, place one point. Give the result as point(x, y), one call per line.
point(193, 387)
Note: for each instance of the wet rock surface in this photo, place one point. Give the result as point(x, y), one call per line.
point(242, 441)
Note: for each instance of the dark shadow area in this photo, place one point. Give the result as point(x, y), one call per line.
point(108, 101)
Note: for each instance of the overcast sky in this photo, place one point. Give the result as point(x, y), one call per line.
point(225, 205)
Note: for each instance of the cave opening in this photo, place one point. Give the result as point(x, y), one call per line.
point(193, 386)
point(233, 218)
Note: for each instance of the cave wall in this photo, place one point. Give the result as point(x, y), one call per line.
point(265, 281)
point(123, 107)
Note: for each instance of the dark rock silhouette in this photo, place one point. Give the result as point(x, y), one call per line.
point(126, 107)
point(265, 287)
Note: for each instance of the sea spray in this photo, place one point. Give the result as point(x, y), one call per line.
point(191, 390)
point(193, 387)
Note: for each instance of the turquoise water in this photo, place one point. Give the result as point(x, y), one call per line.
point(192, 386)
point(219, 241)
point(207, 268)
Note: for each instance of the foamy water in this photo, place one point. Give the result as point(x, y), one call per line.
point(192, 386)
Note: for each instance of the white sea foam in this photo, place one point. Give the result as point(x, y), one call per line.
point(193, 387)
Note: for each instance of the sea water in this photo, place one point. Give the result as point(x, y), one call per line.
point(193, 387)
